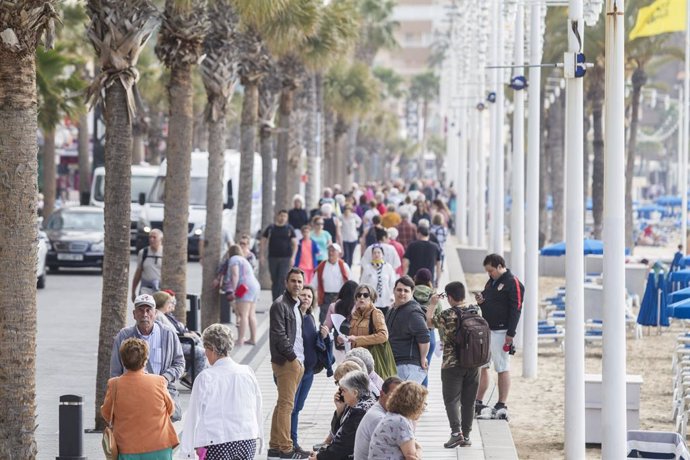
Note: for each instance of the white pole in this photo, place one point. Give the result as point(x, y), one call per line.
point(498, 206)
point(681, 110)
point(686, 132)
point(472, 192)
point(614, 409)
point(531, 305)
point(481, 190)
point(461, 138)
point(517, 210)
point(574, 279)
point(493, 189)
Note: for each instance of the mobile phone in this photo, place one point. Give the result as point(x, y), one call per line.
point(442, 295)
point(340, 395)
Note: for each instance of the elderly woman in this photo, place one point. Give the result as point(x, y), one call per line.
point(380, 274)
point(224, 414)
point(364, 355)
point(393, 438)
point(165, 305)
point(139, 407)
point(354, 392)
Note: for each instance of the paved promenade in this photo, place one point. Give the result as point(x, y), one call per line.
point(67, 346)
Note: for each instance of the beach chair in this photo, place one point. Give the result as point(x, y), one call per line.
point(657, 445)
point(551, 334)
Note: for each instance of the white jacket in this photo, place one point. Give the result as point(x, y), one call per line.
point(388, 277)
point(225, 406)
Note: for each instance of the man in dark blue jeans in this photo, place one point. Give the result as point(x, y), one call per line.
point(278, 248)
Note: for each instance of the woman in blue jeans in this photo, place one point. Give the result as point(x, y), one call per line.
point(310, 331)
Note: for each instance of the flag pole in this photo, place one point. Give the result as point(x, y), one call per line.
point(686, 119)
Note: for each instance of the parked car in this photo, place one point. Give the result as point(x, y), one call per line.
point(41, 260)
point(76, 237)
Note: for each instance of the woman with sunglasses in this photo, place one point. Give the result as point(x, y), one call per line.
point(368, 326)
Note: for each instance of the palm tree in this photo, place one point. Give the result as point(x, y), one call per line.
point(219, 76)
point(59, 96)
point(179, 47)
point(118, 31)
point(424, 87)
point(377, 30)
point(23, 25)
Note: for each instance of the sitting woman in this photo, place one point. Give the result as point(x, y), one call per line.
point(354, 392)
point(139, 407)
point(224, 416)
point(165, 305)
point(340, 406)
point(393, 438)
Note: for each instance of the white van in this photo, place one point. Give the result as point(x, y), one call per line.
point(143, 177)
point(152, 211)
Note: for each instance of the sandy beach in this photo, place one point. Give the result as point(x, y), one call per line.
point(536, 405)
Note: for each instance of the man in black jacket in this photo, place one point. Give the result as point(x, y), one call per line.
point(287, 357)
point(501, 302)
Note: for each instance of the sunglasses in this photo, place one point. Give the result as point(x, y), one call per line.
point(361, 295)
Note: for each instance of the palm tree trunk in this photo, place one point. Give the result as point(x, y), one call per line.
point(639, 78)
point(311, 130)
point(544, 186)
point(350, 155)
point(585, 158)
point(282, 200)
point(555, 145)
point(18, 192)
point(138, 133)
point(598, 168)
point(266, 197)
point(118, 158)
point(250, 113)
point(84, 159)
point(174, 270)
point(49, 178)
point(329, 159)
point(340, 162)
point(210, 313)
point(154, 134)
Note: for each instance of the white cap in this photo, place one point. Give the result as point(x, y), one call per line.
point(145, 299)
point(336, 246)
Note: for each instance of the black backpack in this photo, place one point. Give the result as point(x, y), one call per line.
point(472, 337)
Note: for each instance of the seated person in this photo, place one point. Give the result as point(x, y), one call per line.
point(340, 406)
point(165, 304)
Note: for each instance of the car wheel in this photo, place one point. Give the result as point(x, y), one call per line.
point(41, 283)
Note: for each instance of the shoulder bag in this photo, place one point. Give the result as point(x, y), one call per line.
point(384, 361)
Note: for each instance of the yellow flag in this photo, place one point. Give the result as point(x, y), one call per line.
point(660, 17)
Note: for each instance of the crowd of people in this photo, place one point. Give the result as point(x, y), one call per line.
point(376, 337)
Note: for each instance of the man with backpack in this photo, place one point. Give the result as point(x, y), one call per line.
point(501, 302)
point(149, 263)
point(465, 335)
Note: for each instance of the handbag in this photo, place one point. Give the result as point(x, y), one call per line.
point(108, 441)
point(384, 361)
point(241, 290)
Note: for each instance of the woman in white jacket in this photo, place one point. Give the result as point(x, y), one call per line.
point(224, 416)
point(381, 275)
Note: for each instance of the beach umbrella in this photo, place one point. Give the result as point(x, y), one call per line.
point(680, 294)
point(669, 200)
point(590, 247)
point(653, 310)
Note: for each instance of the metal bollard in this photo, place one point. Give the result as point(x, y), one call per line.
point(70, 420)
point(194, 313)
point(225, 310)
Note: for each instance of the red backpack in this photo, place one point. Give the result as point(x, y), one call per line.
point(472, 338)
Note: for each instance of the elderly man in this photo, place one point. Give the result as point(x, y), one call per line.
point(330, 276)
point(372, 418)
point(149, 262)
point(165, 356)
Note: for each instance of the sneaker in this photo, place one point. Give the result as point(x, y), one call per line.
point(299, 449)
point(294, 454)
point(273, 454)
point(454, 441)
point(478, 408)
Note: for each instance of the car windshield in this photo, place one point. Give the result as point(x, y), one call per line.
point(76, 221)
point(197, 191)
point(140, 184)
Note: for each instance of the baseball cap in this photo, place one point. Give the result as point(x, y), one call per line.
point(145, 299)
point(336, 246)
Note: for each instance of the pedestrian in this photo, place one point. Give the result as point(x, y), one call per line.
point(343, 305)
point(423, 294)
point(287, 358)
point(297, 216)
point(501, 304)
point(331, 224)
point(242, 287)
point(149, 263)
point(393, 438)
point(224, 416)
point(310, 333)
point(165, 351)
point(408, 333)
point(321, 237)
point(421, 212)
point(369, 232)
point(390, 218)
point(139, 407)
point(331, 275)
point(278, 248)
point(390, 255)
point(407, 231)
point(245, 245)
point(368, 329)
point(459, 383)
point(165, 306)
point(354, 391)
point(367, 360)
point(423, 253)
point(440, 231)
point(381, 275)
point(372, 418)
point(307, 257)
point(350, 224)
point(399, 248)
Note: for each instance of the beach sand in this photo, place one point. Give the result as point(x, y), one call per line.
point(536, 406)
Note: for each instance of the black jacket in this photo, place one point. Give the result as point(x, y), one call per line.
point(503, 303)
point(344, 431)
point(283, 329)
point(406, 328)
